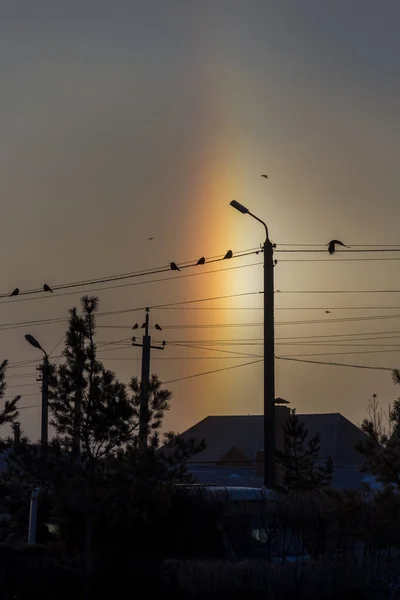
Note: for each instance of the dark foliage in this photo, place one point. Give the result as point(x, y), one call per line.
point(298, 459)
point(381, 448)
point(10, 411)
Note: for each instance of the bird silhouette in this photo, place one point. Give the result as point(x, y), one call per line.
point(143, 326)
point(136, 326)
point(229, 254)
point(201, 261)
point(174, 266)
point(15, 292)
point(47, 288)
point(265, 176)
point(332, 246)
point(151, 238)
point(158, 327)
point(328, 312)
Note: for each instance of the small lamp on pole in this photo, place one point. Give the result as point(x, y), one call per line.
point(45, 389)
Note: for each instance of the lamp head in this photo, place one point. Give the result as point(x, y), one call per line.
point(33, 342)
point(242, 209)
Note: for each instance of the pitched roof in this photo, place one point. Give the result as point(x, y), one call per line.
point(245, 432)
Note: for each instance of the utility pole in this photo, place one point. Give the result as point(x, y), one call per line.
point(44, 368)
point(269, 352)
point(144, 388)
point(44, 378)
point(269, 366)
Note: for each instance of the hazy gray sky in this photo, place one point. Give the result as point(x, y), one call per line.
point(124, 120)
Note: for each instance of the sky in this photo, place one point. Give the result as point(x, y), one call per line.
point(125, 120)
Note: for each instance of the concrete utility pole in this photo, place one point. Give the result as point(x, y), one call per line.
point(269, 353)
point(44, 369)
point(144, 388)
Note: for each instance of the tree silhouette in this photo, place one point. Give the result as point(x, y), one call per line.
point(91, 410)
point(381, 448)
point(298, 459)
point(10, 411)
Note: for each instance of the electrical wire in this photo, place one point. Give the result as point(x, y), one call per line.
point(211, 372)
point(214, 349)
point(335, 364)
point(337, 291)
point(37, 322)
point(336, 262)
point(340, 353)
point(109, 279)
point(348, 251)
point(353, 245)
point(114, 287)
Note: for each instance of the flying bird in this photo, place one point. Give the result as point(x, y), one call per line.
point(328, 312)
point(151, 238)
point(158, 327)
point(15, 292)
point(332, 246)
point(201, 261)
point(229, 254)
point(136, 326)
point(174, 266)
point(265, 176)
point(47, 288)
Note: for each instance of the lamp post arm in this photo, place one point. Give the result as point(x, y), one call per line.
point(262, 223)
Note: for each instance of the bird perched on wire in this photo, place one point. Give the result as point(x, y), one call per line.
point(15, 292)
point(201, 261)
point(158, 327)
point(332, 246)
point(174, 266)
point(265, 176)
point(229, 254)
point(47, 288)
point(143, 326)
point(136, 326)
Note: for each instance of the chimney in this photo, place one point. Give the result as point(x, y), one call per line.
point(17, 432)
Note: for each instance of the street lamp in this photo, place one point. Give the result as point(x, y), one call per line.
point(269, 353)
point(45, 388)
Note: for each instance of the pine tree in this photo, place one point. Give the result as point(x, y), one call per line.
point(91, 410)
point(381, 448)
point(10, 410)
point(298, 459)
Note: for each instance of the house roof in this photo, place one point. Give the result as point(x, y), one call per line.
point(245, 432)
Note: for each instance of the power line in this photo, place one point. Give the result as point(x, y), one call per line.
point(214, 350)
point(348, 251)
point(353, 245)
point(337, 335)
point(341, 353)
point(337, 262)
point(210, 372)
point(335, 364)
point(114, 287)
point(337, 291)
point(37, 322)
point(136, 274)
